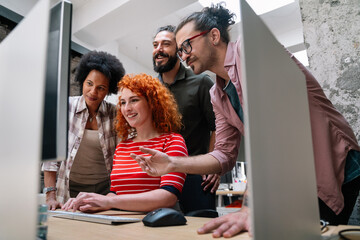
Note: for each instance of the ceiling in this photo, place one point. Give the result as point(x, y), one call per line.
point(131, 24)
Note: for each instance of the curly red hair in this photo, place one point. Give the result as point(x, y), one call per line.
point(165, 113)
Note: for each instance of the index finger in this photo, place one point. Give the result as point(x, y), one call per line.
point(216, 185)
point(148, 150)
point(78, 201)
point(136, 157)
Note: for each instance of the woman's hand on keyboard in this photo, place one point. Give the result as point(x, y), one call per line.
point(88, 202)
point(68, 205)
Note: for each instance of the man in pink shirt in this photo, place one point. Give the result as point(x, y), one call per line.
point(203, 42)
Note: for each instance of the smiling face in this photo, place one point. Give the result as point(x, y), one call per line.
point(202, 55)
point(135, 109)
point(95, 88)
point(164, 52)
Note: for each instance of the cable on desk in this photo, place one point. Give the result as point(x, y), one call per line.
point(342, 233)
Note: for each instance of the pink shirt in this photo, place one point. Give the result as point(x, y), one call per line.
point(229, 128)
point(331, 134)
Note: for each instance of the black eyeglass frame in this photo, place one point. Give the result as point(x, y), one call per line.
point(187, 41)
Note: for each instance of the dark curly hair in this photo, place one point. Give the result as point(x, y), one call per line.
point(215, 16)
point(165, 113)
point(103, 62)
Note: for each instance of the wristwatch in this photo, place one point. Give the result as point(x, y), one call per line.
point(49, 189)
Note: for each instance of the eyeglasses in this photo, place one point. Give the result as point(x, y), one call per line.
point(186, 46)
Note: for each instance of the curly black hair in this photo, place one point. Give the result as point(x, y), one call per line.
point(103, 62)
point(216, 16)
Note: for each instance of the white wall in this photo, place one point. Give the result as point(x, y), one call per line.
point(129, 64)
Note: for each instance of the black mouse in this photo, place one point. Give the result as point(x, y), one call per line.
point(164, 217)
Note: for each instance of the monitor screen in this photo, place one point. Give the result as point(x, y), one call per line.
point(55, 125)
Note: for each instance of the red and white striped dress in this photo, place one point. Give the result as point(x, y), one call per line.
point(127, 176)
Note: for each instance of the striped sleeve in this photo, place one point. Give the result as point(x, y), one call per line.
point(174, 145)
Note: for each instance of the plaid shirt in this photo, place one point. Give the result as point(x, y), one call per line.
point(78, 115)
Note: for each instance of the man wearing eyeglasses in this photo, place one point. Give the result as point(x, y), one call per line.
point(191, 92)
point(203, 42)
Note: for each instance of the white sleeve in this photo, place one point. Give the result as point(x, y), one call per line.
point(50, 166)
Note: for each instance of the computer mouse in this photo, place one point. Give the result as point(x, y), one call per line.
point(164, 217)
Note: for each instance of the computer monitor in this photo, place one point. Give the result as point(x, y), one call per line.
point(278, 142)
point(55, 122)
point(24, 60)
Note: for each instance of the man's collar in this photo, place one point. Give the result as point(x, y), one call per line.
point(220, 82)
point(230, 55)
point(228, 62)
point(181, 73)
point(179, 76)
point(82, 104)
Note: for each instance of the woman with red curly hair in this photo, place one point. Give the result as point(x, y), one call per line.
point(147, 116)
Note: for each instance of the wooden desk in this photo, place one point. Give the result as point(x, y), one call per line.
point(333, 230)
point(66, 229)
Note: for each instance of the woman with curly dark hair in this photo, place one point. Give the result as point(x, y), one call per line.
point(91, 136)
point(147, 116)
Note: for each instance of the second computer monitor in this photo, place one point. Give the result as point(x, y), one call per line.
point(278, 141)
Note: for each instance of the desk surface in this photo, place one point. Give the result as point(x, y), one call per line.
point(66, 229)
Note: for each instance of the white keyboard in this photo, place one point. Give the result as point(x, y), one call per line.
point(96, 218)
